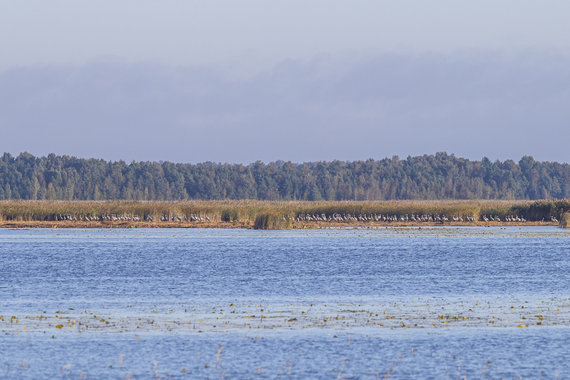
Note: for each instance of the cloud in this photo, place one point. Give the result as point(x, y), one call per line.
point(472, 104)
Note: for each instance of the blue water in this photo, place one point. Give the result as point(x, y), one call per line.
point(500, 279)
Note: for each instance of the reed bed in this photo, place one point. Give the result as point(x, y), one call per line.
point(565, 220)
point(274, 213)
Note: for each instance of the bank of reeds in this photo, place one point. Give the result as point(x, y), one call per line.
point(275, 213)
point(272, 221)
point(565, 220)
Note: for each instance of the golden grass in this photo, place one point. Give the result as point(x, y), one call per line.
point(272, 221)
point(276, 213)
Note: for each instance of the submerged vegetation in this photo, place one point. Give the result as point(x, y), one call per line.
point(439, 176)
point(281, 215)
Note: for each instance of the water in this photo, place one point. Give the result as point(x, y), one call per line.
point(354, 303)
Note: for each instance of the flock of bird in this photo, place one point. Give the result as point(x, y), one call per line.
point(509, 218)
point(404, 218)
point(336, 217)
point(132, 218)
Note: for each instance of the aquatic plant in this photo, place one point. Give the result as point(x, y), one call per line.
point(277, 214)
point(272, 221)
point(565, 220)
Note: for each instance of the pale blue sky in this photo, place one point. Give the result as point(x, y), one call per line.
point(237, 81)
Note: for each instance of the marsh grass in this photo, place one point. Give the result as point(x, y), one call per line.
point(565, 220)
point(277, 214)
point(272, 221)
point(544, 209)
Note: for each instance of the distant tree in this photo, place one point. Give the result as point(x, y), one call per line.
point(439, 176)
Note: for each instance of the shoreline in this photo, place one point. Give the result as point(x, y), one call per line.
point(246, 225)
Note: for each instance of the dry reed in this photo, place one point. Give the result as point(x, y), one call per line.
point(275, 213)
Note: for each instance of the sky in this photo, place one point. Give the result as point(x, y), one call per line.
point(241, 81)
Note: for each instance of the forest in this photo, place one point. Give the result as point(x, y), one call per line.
point(427, 177)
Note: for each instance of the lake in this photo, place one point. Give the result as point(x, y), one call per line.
point(461, 302)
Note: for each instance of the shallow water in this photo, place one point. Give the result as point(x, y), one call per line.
point(407, 302)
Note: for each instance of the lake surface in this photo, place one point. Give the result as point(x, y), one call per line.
point(470, 302)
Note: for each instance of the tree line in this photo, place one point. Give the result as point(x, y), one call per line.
point(439, 176)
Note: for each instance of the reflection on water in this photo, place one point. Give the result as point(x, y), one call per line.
point(359, 302)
